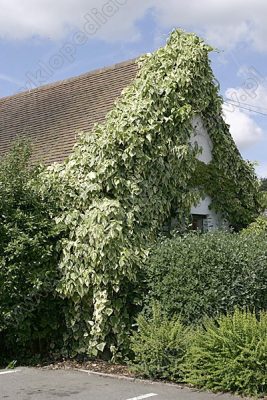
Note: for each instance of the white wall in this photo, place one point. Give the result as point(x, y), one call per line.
point(201, 138)
point(203, 207)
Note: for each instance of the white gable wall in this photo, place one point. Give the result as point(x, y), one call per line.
point(201, 137)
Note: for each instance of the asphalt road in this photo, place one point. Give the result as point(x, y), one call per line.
point(36, 384)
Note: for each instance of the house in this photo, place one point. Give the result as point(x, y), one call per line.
point(51, 117)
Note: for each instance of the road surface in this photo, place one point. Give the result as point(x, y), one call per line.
point(38, 384)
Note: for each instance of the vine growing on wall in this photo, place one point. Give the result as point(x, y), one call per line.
point(118, 186)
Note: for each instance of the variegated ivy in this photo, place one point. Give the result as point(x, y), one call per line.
point(118, 186)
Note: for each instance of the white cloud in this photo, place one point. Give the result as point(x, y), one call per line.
point(245, 131)
point(252, 95)
point(223, 22)
point(55, 19)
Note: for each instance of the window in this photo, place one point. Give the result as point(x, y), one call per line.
point(198, 222)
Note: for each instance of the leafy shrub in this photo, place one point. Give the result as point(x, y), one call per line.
point(230, 354)
point(30, 310)
point(199, 275)
point(257, 227)
point(159, 346)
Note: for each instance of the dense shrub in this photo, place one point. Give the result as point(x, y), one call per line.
point(230, 354)
point(159, 346)
point(30, 311)
point(200, 275)
point(257, 227)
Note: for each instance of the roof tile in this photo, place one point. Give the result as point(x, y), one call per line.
point(52, 115)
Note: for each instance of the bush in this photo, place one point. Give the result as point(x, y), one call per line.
point(206, 275)
point(30, 310)
point(159, 346)
point(230, 354)
point(257, 227)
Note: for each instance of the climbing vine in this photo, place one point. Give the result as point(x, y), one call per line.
point(233, 184)
point(239, 202)
point(117, 188)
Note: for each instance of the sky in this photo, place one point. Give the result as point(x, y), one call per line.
point(43, 41)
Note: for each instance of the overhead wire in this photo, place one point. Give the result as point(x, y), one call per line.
point(247, 107)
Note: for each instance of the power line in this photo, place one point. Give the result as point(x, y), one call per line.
point(245, 104)
point(246, 108)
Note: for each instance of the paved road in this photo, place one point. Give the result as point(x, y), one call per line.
point(34, 384)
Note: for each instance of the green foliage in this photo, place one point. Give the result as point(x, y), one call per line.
point(159, 346)
point(239, 202)
point(230, 354)
point(123, 179)
point(29, 309)
point(257, 227)
point(199, 275)
point(264, 184)
point(264, 200)
point(12, 364)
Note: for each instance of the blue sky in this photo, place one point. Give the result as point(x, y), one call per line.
point(42, 41)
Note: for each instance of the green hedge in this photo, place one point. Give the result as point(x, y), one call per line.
point(230, 354)
point(205, 275)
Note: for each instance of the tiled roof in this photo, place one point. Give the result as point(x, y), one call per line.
point(52, 115)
